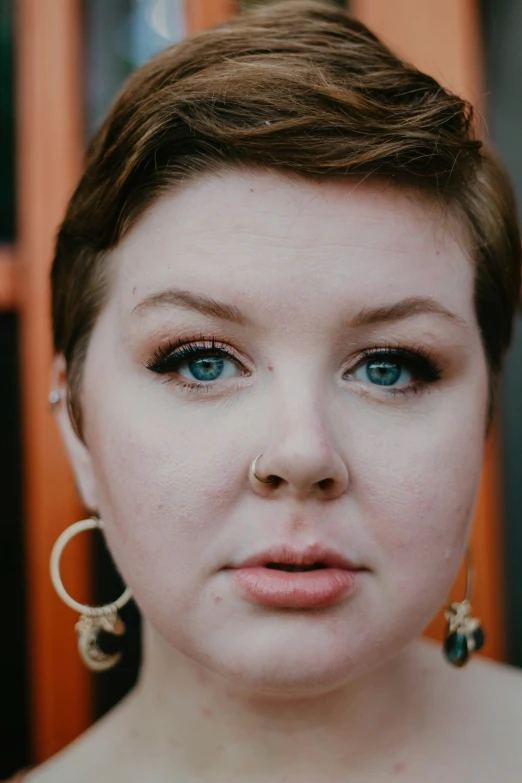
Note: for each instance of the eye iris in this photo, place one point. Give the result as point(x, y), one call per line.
point(207, 368)
point(383, 373)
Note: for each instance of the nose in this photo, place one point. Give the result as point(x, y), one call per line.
point(302, 458)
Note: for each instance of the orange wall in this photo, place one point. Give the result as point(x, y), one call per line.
point(201, 14)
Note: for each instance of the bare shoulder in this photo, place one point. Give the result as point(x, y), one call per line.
point(90, 756)
point(479, 711)
point(498, 687)
point(493, 698)
point(482, 681)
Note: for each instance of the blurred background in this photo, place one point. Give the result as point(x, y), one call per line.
point(61, 63)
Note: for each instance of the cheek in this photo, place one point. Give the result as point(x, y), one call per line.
point(167, 485)
point(418, 503)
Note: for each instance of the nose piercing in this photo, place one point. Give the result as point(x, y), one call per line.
point(253, 469)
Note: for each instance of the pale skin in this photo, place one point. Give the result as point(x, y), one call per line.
point(387, 474)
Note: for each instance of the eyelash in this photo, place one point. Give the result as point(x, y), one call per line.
point(166, 360)
point(424, 365)
point(421, 362)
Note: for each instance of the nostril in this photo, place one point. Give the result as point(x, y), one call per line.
point(325, 483)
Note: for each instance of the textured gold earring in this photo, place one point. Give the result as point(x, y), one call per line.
point(99, 629)
point(464, 633)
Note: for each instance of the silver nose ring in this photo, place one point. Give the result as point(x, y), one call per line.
point(253, 469)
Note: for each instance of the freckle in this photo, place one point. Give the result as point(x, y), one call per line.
point(217, 599)
point(207, 712)
point(134, 290)
point(400, 767)
point(270, 367)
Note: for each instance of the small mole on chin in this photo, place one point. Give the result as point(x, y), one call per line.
point(270, 367)
point(400, 767)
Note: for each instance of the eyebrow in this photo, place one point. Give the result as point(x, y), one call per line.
point(406, 308)
point(368, 316)
point(187, 300)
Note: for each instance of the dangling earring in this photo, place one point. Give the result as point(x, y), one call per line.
point(99, 629)
point(464, 634)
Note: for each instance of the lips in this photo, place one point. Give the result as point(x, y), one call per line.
point(287, 555)
point(285, 576)
point(294, 568)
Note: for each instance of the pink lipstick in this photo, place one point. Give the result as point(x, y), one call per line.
point(289, 577)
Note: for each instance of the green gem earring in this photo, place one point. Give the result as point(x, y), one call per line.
point(464, 634)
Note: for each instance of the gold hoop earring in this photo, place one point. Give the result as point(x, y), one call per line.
point(99, 629)
point(464, 633)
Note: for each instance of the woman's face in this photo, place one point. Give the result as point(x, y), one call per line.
point(288, 288)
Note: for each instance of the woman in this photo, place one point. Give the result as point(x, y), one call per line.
point(282, 294)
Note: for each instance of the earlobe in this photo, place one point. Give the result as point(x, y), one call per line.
point(79, 455)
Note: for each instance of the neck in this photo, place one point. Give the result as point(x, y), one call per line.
point(188, 721)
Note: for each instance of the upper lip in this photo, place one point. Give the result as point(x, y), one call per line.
point(292, 555)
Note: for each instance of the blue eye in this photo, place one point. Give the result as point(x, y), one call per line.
point(398, 370)
point(192, 366)
point(205, 368)
point(383, 372)
point(200, 365)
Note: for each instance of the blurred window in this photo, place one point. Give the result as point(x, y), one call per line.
point(121, 35)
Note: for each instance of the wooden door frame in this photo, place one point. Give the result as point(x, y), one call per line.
point(49, 134)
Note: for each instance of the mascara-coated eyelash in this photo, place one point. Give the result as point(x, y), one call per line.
point(424, 366)
point(420, 362)
point(166, 360)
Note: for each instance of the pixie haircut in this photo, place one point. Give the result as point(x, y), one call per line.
point(302, 88)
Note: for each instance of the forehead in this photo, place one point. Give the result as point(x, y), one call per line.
point(273, 240)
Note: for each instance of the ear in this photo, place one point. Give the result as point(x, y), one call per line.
point(78, 452)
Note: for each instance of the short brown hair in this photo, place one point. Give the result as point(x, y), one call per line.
point(300, 87)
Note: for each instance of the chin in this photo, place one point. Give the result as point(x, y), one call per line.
point(290, 660)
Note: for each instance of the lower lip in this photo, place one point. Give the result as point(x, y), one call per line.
point(294, 589)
